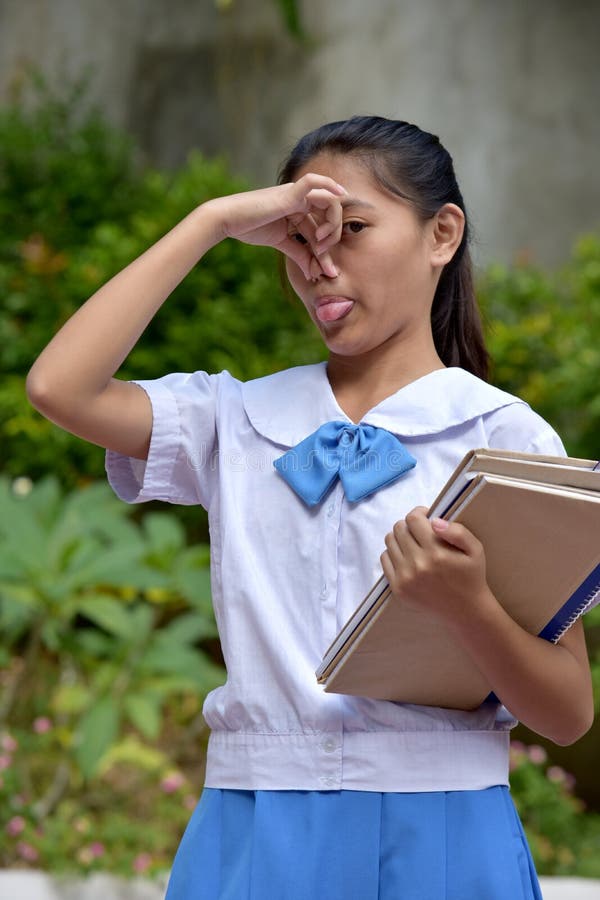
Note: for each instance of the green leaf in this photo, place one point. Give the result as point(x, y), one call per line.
point(164, 656)
point(109, 614)
point(97, 731)
point(190, 627)
point(22, 535)
point(44, 501)
point(105, 675)
point(95, 644)
point(15, 617)
point(144, 712)
point(194, 585)
point(131, 751)
point(164, 531)
point(115, 565)
point(70, 699)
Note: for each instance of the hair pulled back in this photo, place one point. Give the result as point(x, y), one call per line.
point(414, 165)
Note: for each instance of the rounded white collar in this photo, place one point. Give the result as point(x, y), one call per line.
point(289, 405)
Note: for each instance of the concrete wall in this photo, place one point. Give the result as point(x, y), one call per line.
point(512, 88)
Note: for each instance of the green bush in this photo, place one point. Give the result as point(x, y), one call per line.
point(563, 840)
point(107, 653)
point(543, 337)
point(74, 210)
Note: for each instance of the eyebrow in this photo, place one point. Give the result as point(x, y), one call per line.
point(354, 201)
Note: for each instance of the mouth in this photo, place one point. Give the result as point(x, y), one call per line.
point(332, 308)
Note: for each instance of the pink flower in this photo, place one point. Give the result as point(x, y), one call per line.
point(88, 854)
point(537, 754)
point(556, 773)
point(27, 852)
point(16, 826)
point(172, 782)
point(142, 863)
point(42, 725)
point(5, 761)
point(517, 746)
point(9, 743)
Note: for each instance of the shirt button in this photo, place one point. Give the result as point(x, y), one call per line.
point(328, 781)
point(330, 510)
point(324, 591)
point(329, 745)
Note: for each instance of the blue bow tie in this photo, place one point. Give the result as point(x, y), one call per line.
point(364, 457)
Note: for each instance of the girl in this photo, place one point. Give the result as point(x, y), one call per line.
point(310, 794)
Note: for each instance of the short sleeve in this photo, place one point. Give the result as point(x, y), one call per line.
point(183, 443)
point(518, 427)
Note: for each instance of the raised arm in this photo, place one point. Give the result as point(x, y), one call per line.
point(72, 380)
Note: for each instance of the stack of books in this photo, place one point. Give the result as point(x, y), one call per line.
point(538, 518)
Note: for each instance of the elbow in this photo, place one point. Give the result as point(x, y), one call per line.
point(44, 395)
point(573, 730)
point(38, 392)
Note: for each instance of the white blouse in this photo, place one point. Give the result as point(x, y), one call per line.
point(286, 577)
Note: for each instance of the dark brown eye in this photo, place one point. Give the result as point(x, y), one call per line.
point(354, 227)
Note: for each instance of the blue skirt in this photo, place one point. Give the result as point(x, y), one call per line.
point(354, 845)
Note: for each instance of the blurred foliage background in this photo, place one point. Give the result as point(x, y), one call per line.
point(108, 641)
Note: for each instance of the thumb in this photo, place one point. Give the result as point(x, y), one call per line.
point(455, 534)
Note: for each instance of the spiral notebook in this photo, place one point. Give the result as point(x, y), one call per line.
point(542, 544)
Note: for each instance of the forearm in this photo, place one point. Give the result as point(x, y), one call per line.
point(83, 356)
point(544, 685)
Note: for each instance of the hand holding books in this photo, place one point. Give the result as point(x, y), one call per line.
point(538, 519)
point(433, 565)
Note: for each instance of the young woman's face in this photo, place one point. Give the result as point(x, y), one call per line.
point(386, 279)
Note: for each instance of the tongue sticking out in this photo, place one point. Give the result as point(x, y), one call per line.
point(336, 309)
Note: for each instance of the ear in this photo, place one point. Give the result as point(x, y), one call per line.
point(448, 226)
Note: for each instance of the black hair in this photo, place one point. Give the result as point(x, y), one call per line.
point(412, 164)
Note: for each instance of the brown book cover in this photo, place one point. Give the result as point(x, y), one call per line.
point(543, 565)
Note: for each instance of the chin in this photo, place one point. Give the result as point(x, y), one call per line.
point(344, 348)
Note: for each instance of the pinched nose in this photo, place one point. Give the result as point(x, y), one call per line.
point(322, 268)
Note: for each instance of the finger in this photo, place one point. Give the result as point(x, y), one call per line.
point(404, 540)
point(330, 212)
point(387, 566)
point(299, 254)
point(419, 527)
point(457, 535)
point(321, 198)
point(320, 263)
point(394, 541)
point(311, 181)
point(324, 230)
point(305, 225)
point(306, 198)
point(328, 230)
point(323, 265)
